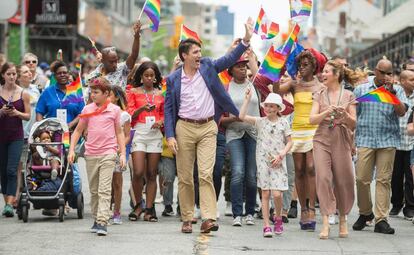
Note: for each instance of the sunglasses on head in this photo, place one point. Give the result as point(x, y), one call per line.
point(30, 61)
point(384, 72)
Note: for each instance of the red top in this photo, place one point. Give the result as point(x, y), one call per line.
point(136, 100)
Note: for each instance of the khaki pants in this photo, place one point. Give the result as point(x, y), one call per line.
point(100, 170)
point(196, 140)
point(381, 160)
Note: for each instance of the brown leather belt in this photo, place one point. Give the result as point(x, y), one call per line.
point(201, 121)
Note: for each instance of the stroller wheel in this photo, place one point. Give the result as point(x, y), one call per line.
point(61, 212)
point(80, 205)
point(24, 213)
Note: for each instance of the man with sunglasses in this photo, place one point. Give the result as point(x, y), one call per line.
point(117, 73)
point(31, 61)
point(377, 137)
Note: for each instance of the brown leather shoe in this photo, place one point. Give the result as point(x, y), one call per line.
point(209, 225)
point(187, 228)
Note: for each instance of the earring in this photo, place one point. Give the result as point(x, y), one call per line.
point(155, 80)
point(141, 81)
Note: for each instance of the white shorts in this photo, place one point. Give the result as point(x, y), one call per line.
point(150, 142)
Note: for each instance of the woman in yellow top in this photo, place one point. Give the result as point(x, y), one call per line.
point(302, 89)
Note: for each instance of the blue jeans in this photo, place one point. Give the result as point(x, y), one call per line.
point(167, 168)
point(243, 174)
point(9, 160)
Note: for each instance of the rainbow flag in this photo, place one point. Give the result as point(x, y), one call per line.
point(153, 9)
point(66, 140)
point(225, 77)
point(293, 37)
point(271, 32)
point(187, 33)
point(52, 80)
point(164, 87)
point(259, 21)
point(73, 93)
point(379, 95)
point(273, 64)
point(300, 9)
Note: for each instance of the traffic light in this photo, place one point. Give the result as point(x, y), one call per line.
point(175, 39)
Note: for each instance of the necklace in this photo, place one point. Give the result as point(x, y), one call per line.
point(152, 102)
point(332, 123)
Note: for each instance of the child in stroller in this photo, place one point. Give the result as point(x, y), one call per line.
point(42, 155)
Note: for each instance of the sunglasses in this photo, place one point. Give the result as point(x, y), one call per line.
point(30, 61)
point(384, 72)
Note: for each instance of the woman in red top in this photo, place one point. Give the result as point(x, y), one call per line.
point(146, 107)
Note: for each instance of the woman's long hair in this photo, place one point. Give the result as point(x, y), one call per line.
point(4, 69)
point(346, 74)
point(120, 95)
point(140, 71)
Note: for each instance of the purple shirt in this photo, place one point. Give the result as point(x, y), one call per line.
point(196, 100)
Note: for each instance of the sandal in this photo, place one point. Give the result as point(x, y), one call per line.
point(150, 215)
point(133, 216)
point(311, 225)
point(303, 224)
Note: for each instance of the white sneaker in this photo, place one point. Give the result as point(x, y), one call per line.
point(228, 211)
point(197, 213)
point(249, 220)
point(218, 215)
point(159, 199)
point(237, 222)
point(332, 219)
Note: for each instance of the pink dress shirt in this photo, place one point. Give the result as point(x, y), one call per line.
point(196, 100)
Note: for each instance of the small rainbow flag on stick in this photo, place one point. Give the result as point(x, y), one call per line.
point(271, 32)
point(259, 21)
point(272, 64)
point(300, 9)
point(293, 37)
point(225, 77)
point(187, 33)
point(153, 10)
point(164, 87)
point(379, 95)
point(66, 140)
point(73, 93)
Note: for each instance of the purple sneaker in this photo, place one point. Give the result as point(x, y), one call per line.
point(278, 228)
point(267, 232)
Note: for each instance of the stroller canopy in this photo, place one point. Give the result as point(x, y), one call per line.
point(49, 124)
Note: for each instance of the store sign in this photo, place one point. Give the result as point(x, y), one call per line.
point(63, 12)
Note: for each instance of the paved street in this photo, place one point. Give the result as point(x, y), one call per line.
point(42, 235)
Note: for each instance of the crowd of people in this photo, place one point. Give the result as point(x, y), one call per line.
point(304, 139)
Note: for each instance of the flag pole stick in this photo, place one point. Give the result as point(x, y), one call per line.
point(142, 10)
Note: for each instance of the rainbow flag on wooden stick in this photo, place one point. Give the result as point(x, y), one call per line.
point(74, 93)
point(300, 9)
point(153, 10)
point(293, 37)
point(164, 87)
point(273, 64)
point(187, 33)
point(379, 95)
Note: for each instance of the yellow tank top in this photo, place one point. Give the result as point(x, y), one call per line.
point(303, 107)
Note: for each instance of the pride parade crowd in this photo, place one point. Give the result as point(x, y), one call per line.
point(299, 140)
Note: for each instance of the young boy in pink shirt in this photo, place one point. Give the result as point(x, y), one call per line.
point(103, 140)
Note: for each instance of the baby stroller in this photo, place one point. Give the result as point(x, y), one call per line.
point(44, 187)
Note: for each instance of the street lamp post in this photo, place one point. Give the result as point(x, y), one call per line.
point(22, 28)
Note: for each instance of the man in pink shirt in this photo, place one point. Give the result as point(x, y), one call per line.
point(195, 97)
point(104, 138)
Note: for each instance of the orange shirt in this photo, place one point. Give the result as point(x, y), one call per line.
point(137, 100)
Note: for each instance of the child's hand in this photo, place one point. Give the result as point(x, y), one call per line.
point(277, 161)
point(71, 157)
point(122, 161)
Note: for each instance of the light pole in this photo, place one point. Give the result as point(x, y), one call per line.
point(22, 28)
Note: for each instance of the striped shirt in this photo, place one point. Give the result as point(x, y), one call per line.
point(407, 141)
point(377, 123)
